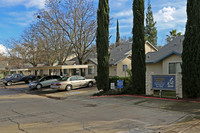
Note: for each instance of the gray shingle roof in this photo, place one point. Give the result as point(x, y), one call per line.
point(94, 60)
point(173, 47)
point(119, 53)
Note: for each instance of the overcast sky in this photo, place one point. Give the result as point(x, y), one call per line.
point(16, 15)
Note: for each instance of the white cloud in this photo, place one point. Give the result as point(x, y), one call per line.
point(166, 14)
point(121, 27)
point(126, 13)
point(27, 3)
point(3, 50)
point(127, 20)
point(36, 3)
point(171, 18)
point(116, 4)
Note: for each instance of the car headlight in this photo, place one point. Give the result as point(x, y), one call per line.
point(31, 84)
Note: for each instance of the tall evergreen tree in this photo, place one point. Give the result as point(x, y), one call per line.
point(191, 52)
point(138, 49)
point(117, 35)
point(102, 41)
point(150, 29)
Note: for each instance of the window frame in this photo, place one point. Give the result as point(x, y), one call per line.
point(123, 67)
point(91, 70)
point(73, 77)
point(175, 62)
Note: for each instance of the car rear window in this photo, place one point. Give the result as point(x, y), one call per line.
point(73, 78)
point(63, 79)
point(80, 78)
point(56, 77)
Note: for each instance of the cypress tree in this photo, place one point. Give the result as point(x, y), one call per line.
point(150, 29)
point(102, 41)
point(117, 36)
point(138, 49)
point(191, 51)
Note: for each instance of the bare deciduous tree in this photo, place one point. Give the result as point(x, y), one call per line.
point(77, 18)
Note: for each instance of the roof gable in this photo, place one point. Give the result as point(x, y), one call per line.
point(173, 47)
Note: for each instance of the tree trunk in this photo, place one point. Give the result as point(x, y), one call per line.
point(61, 73)
point(50, 72)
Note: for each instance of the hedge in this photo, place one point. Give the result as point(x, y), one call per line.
point(113, 79)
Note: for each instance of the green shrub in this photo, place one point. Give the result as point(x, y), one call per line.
point(113, 79)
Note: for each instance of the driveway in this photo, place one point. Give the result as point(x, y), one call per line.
point(77, 111)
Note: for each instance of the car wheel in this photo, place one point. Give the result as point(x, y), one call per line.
point(30, 80)
point(39, 86)
point(90, 84)
point(68, 87)
point(9, 83)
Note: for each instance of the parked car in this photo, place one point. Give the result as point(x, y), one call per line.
point(44, 82)
point(8, 76)
point(68, 83)
point(18, 78)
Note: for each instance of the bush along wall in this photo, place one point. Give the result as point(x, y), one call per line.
point(113, 79)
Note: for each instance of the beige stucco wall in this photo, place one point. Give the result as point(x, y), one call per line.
point(149, 48)
point(162, 67)
point(154, 68)
point(113, 71)
point(120, 71)
point(170, 59)
point(89, 63)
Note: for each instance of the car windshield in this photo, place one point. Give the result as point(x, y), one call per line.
point(15, 76)
point(8, 76)
point(63, 79)
point(42, 79)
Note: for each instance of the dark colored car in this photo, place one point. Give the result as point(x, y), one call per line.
point(18, 78)
point(44, 82)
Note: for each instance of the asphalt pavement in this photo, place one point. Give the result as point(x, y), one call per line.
point(76, 111)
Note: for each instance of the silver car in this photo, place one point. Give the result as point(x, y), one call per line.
point(68, 83)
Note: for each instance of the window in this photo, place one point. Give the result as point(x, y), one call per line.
point(174, 67)
point(65, 71)
point(90, 70)
point(63, 79)
point(125, 68)
point(80, 78)
point(73, 78)
point(75, 72)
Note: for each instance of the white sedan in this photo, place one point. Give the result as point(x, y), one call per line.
point(68, 83)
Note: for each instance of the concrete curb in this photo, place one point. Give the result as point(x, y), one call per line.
point(171, 99)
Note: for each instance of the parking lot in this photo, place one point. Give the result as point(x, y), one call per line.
point(76, 111)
